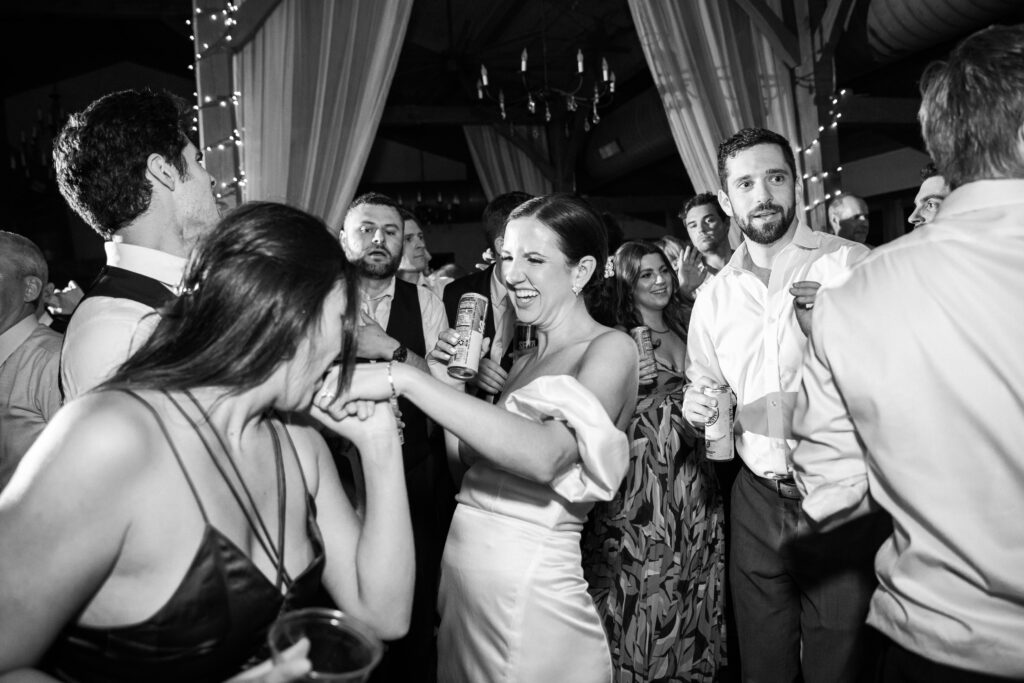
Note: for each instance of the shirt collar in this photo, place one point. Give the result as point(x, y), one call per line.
point(388, 293)
point(803, 237)
point(982, 194)
point(498, 290)
point(159, 265)
point(15, 336)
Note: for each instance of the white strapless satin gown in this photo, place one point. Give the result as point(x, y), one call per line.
point(514, 605)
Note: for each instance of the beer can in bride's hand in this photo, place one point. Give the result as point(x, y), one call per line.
point(469, 323)
point(718, 438)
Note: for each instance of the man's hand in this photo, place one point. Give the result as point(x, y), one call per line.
point(804, 293)
point(64, 300)
point(373, 342)
point(690, 270)
point(698, 407)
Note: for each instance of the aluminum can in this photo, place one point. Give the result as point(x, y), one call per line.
point(469, 323)
point(525, 338)
point(642, 336)
point(718, 439)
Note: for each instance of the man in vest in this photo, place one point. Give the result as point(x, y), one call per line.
point(126, 165)
point(399, 322)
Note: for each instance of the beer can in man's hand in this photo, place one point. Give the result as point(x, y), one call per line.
point(642, 336)
point(469, 323)
point(718, 442)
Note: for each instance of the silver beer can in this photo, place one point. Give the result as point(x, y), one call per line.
point(642, 336)
point(469, 323)
point(718, 439)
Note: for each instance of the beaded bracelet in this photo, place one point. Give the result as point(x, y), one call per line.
point(393, 402)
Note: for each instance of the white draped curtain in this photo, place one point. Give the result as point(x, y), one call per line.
point(716, 74)
point(502, 166)
point(313, 80)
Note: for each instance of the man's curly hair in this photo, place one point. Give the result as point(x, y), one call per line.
point(100, 155)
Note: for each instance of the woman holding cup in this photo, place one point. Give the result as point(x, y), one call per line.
point(514, 605)
point(161, 523)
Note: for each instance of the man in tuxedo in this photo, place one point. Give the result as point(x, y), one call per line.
point(399, 322)
point(127, 166)
point(499, 326)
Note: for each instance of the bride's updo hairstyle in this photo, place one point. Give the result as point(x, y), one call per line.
point(578, 227)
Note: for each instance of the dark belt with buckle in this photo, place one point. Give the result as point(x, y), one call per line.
point(785, 487)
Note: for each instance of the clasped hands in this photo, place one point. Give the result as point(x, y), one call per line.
point(357, 412)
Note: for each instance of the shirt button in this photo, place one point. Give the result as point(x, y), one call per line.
point(774, 403)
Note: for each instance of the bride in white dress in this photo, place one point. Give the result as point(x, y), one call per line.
point(514, 605)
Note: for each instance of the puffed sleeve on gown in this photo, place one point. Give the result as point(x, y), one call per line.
point(514, 604)
point(604, 449)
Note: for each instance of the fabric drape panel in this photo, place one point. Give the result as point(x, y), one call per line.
point(716, 74)
point(314, 80)
point(503, 167)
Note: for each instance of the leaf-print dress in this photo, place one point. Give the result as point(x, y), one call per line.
point(654, 555)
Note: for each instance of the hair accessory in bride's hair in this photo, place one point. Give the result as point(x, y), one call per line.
point(609, 267)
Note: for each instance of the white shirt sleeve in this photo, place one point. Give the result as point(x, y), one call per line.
point(103, 333)
point(828, 462)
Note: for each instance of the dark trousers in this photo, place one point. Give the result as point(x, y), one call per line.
point(413, 658)
point(795, 589)
point(900, 665)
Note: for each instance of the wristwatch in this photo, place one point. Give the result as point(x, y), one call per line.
point(400, 354)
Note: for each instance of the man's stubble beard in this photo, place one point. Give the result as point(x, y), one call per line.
point(770, 232)
point(378, 271)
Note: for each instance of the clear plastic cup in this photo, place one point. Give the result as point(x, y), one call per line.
point(340, 648)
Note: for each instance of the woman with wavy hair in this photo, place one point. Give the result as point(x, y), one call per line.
point(654, 554)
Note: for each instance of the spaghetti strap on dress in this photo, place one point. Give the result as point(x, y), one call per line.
point(212, 626)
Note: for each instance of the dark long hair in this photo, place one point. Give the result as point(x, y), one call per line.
point(627, 272)
point(253, 290)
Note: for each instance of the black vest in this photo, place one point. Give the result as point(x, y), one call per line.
point(118, 283)
point(406, 325)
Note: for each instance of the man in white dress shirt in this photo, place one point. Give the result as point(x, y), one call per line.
point(913, 389)
point(126, 165)
point(799, 598)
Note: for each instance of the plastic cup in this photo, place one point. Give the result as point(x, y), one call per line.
point(340, 648)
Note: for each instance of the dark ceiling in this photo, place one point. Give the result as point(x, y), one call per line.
point(435, 85)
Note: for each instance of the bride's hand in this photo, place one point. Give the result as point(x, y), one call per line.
point(292, 665)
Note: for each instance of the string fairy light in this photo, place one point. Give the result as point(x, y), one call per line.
point(813, 179)
point(213, 41)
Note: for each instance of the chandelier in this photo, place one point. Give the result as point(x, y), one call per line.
point(541, 95)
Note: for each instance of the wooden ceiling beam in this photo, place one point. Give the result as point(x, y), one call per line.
point(771, 26)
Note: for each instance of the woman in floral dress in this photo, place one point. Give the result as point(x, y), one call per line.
point(654, 555)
